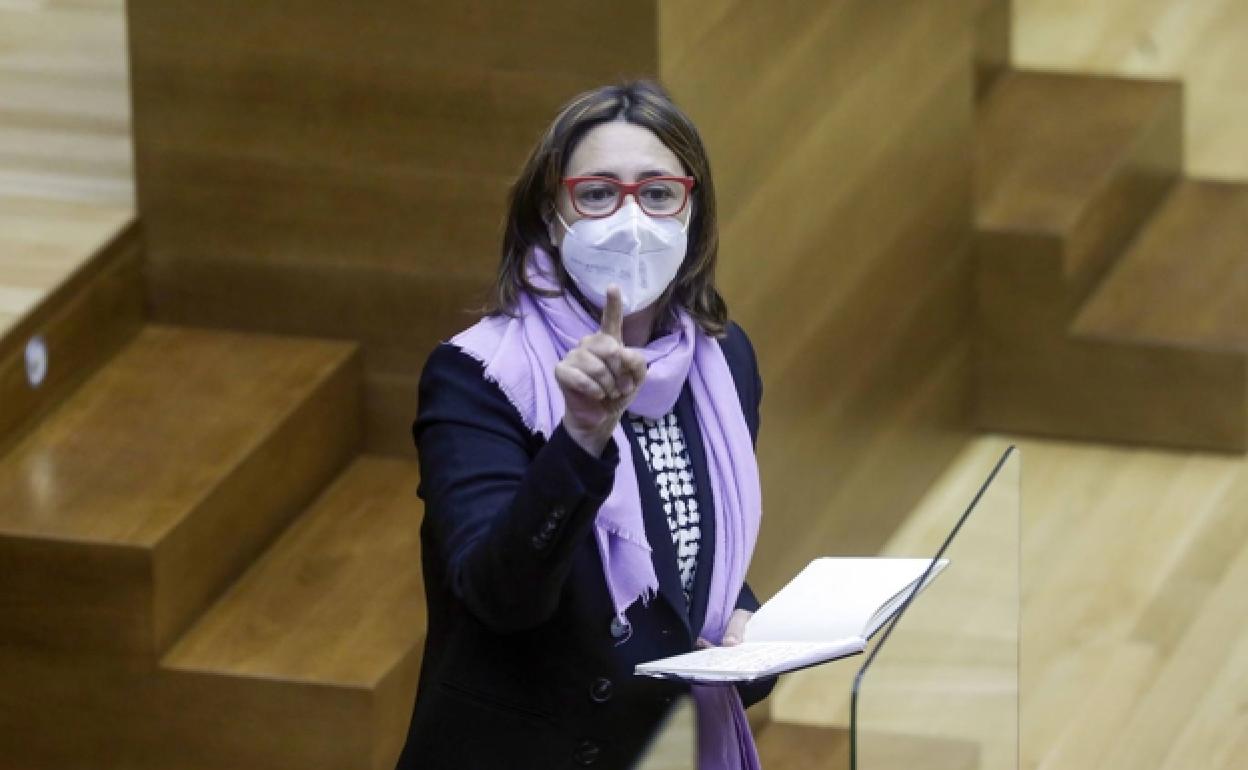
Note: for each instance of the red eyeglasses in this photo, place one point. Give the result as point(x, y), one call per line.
point(602, 196)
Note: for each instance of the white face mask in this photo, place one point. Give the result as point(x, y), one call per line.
point(639, 253)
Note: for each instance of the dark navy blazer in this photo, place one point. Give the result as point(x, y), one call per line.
point(523, 666)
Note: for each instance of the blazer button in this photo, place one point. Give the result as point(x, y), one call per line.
point(586, 753)
point(539, 542)
point(618, 629)
point(558, 512)
point(600, 690)
point(549, 527)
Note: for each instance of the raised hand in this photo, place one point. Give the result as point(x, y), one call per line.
point(599, 379)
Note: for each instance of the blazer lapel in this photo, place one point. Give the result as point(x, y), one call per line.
point(658, 534)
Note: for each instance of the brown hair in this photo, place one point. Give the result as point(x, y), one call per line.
point(531, 202)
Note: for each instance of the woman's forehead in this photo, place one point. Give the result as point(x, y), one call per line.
point(622, 149)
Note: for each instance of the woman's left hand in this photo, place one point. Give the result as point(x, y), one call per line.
point(735, 631)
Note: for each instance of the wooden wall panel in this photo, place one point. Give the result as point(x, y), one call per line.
point(83, 321)
point(297, 178)
point(840, 134)
point(335, 170)
point(994, 42)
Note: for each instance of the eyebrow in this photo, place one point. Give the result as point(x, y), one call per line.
point(651, 172)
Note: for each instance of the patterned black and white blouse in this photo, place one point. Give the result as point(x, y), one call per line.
point(667, 456)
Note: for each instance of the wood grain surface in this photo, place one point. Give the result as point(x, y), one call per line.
point(187, 443)
point(1132, 571)
point(196, 567)
point(1185, 279)
point(849, 269)
point(1077, 178)
point(343, 174)
point(1201, 43)
point(66, 170)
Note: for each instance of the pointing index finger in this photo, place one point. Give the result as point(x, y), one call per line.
point(613, 314)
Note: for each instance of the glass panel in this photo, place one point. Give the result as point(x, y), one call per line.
point(675, 742)
point(938, 688)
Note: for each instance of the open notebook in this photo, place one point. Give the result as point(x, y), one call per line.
point(828, 611)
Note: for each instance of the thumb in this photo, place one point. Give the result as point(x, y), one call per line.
point(735, 633)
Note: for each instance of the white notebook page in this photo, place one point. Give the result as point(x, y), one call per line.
point(832, 599)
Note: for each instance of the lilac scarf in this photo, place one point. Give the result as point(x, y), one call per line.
point(519, 354)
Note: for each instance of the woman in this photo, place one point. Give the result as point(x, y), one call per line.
point(591, 492)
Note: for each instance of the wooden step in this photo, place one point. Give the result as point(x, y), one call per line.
point(1184, 281)
point(397, 316)
point(330, 618)
point(1070, 170)
point(127, 509)
point(1159, 352)
point(802, 747)
point(87, 301)
point(43, 240)
point(1069, 166)
point(817, 747)
point(1180, 293)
